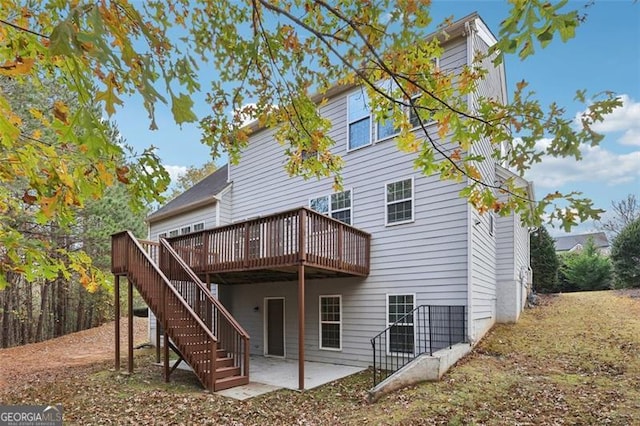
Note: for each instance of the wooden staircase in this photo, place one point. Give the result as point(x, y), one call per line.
point(201, 329)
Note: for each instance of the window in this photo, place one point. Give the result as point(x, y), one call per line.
point(399, 202)
point(198, 227)
point(331, 322)
point(400, 320)
point(337, 206)
point(185, 230)
point(414, 120)
point(174, 233)
point(359, 120)
point(308, 154)
point(163, 235)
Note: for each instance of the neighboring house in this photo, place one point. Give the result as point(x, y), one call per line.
point(575, 243)
point(411, 240)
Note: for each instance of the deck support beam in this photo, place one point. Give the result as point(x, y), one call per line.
point(301, 326)
point(130, 336)
point(116, 306)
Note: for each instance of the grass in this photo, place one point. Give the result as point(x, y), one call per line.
point(573, 360)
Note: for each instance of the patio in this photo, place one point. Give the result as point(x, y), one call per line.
point(271, 374)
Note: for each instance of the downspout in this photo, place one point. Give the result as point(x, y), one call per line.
point(470, 228)
point(218, 200)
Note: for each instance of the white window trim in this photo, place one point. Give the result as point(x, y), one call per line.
point(328, 214)
point(412, 199)
point(388, 324)
point(265, 336)
point(320, 322)
point(177, 231)
point(349, 122)
point(492, 224)
point(193, 226)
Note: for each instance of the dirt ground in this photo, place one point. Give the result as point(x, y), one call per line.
point(38, 361)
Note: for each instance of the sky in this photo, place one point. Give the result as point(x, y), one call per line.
point(604, 55)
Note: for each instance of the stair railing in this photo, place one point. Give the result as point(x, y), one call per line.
point(424, 330)
point(168, 304)
point(230, 334)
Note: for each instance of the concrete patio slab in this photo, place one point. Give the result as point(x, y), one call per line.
point(270, 374)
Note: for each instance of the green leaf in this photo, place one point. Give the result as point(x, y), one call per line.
point(182, 109)
point(61, 40)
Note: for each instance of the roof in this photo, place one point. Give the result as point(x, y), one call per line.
point(200, 194)
point(568, 242)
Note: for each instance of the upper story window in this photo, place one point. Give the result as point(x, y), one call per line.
point(359, 120)
point(163, 235)
point(174, 233)
point(399, 202)
point(185, 230)
point(198, 227)
point(337, 205)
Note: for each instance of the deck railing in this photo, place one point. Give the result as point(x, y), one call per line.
point(281, 239)
point(424, 330)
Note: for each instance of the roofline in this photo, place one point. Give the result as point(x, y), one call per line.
point(454, 30)
point(153, 218)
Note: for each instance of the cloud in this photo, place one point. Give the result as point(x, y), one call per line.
point(175, 171)
point(624, 119)
point(597, 165)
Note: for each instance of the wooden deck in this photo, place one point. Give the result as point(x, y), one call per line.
point(271, 248)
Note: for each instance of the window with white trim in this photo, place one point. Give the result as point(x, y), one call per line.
point(185, 230)
point(163, 235)
point(198, 227)
point(359, 120)
point(336, 205)
point(331, 322)
point(401, 338)
point(399, 202)
point(174, 233)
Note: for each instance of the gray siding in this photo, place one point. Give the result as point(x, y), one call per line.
point(483, 243)
point(427, 257)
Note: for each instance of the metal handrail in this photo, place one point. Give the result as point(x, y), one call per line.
point(427, 329)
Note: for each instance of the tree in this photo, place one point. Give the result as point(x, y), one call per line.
point(267, 59)
point(625, 256)
point(585, 269)
point(192, 176)
point(544, 261)
point(625, 212)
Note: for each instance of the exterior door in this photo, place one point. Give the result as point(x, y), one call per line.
point(274, 326)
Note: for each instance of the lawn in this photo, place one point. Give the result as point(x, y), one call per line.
point(575, 359)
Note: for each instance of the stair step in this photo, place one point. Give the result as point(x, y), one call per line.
point(224, 362)
point(221, 353)
point(227, 372)
point(229, 382)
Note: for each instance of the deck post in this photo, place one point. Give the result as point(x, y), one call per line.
point(130, 336)
point(301, 326)
point(157, 341)
point(116, 308)
point(165, 346)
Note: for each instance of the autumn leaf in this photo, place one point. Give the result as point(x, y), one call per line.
point(18, 67)
point(61, 111)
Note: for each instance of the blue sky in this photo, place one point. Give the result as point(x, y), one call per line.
point(604, 55)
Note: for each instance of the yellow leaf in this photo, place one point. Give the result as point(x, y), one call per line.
point(18, 67)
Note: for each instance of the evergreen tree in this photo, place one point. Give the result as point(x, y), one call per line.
point(585, 270)
point(544, 261)
point(625, 256)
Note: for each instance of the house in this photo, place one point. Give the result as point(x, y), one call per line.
point(575, 243)
point(395, 266)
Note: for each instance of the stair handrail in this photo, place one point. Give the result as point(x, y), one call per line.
point(192, 275)
point(171, 288)
point(400, 359)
